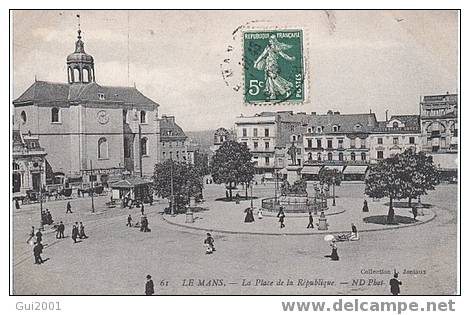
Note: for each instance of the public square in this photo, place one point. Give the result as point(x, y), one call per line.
point(115, 259)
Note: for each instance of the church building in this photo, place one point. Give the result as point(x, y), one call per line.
point(85, 126)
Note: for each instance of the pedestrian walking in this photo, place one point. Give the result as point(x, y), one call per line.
point(209, 242)
point(74, 232)
point(69, 208)
point(414, 210)
point(395, 284)
point(49, 219)
point(38, 236)
point(260, 214)
point(142, 208)
point(310, 220)
point(61, 229)
point(37, 251)
point(365, 207)
point(129, 221)
point(31, 235)
point(82, 231)
point(354, 235)
point(281, 216)
point(149, 288)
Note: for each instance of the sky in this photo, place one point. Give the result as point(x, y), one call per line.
point(356, 61)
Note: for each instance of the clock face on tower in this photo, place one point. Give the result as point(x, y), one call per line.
point(102, 117)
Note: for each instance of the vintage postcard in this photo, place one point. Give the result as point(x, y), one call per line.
point(309, 152)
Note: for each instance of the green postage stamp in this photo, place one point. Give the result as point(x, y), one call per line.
point(274, 66)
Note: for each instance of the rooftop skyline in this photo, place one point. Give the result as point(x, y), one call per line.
point(357, 60)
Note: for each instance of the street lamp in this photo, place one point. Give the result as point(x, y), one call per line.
point(334, 195)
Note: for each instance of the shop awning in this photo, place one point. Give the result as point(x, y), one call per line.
point(312, 170)
point(130, 183)
point(355, 169)
point(339, 168)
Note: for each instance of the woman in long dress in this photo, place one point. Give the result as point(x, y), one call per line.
point(334, 250)
point(249, 215)
point(267, 62)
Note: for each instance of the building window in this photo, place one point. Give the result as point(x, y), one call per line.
point(164, 155)
point(380, 155)
point(309, 130)
point(380, 141)
point(266, 145)
point(55, 115)
point(319, 129)
point(330, 156)
point(318, 156)
point(23, 117)
point(340, 156)
point(255, 145)
point(319, 143)
point(340, 143)
point(310, 156)
point(101, 96)
point(144, 146)
point(255, 132)
point(353, 156)
point(309, 143)
point(358, 127)
point(102, 148)
point(329, 144)
point(395, 140)
point(266, 132)
point(363, 156)
point(16, 166)
point(244, 132)
point(243, 143)
point(395, 125)
point(353, 143)
point(412, 140)
point(293, 138)
point(143, 117)
point(266, 160)
point(127, 148)
point(335, 128)
point(363, 143)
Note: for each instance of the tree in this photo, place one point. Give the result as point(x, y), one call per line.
point(201, 162)
point(187, 182)
point(232, 165)
point(387, 179)
point(421, 174)
point(331, 177)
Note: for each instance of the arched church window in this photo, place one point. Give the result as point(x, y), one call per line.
point(144, 146)
point(143, 117)
point(55, 115)
point(102, 148)
point(23, 117)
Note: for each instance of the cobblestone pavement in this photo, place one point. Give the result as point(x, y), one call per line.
point(115, 259)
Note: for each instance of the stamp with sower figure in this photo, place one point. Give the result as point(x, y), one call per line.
point(274, 66)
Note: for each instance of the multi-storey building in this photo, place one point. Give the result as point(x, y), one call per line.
point(394, 136)
point(29, 163)
point(339, 141)
point(439, 123)
point(259, 133)
point(173, 141)
point(81, 123)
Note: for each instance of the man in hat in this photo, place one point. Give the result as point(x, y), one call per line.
point(38, 236)
point(149, 288)
point(61, 229)
point(129, 221)
point(37, 250)
point(395, 284)
point(310, 220)
point(69, 208)
point(75, 232)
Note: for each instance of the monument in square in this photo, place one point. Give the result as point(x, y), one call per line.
point(293, 170)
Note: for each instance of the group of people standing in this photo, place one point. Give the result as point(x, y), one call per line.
point(78, 231)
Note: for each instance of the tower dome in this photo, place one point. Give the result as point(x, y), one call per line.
point(80, 65)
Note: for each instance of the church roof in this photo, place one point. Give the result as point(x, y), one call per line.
point(43, 91)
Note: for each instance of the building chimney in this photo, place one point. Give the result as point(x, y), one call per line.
point(386, 115)
point(313, 113)
point(329, 112)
